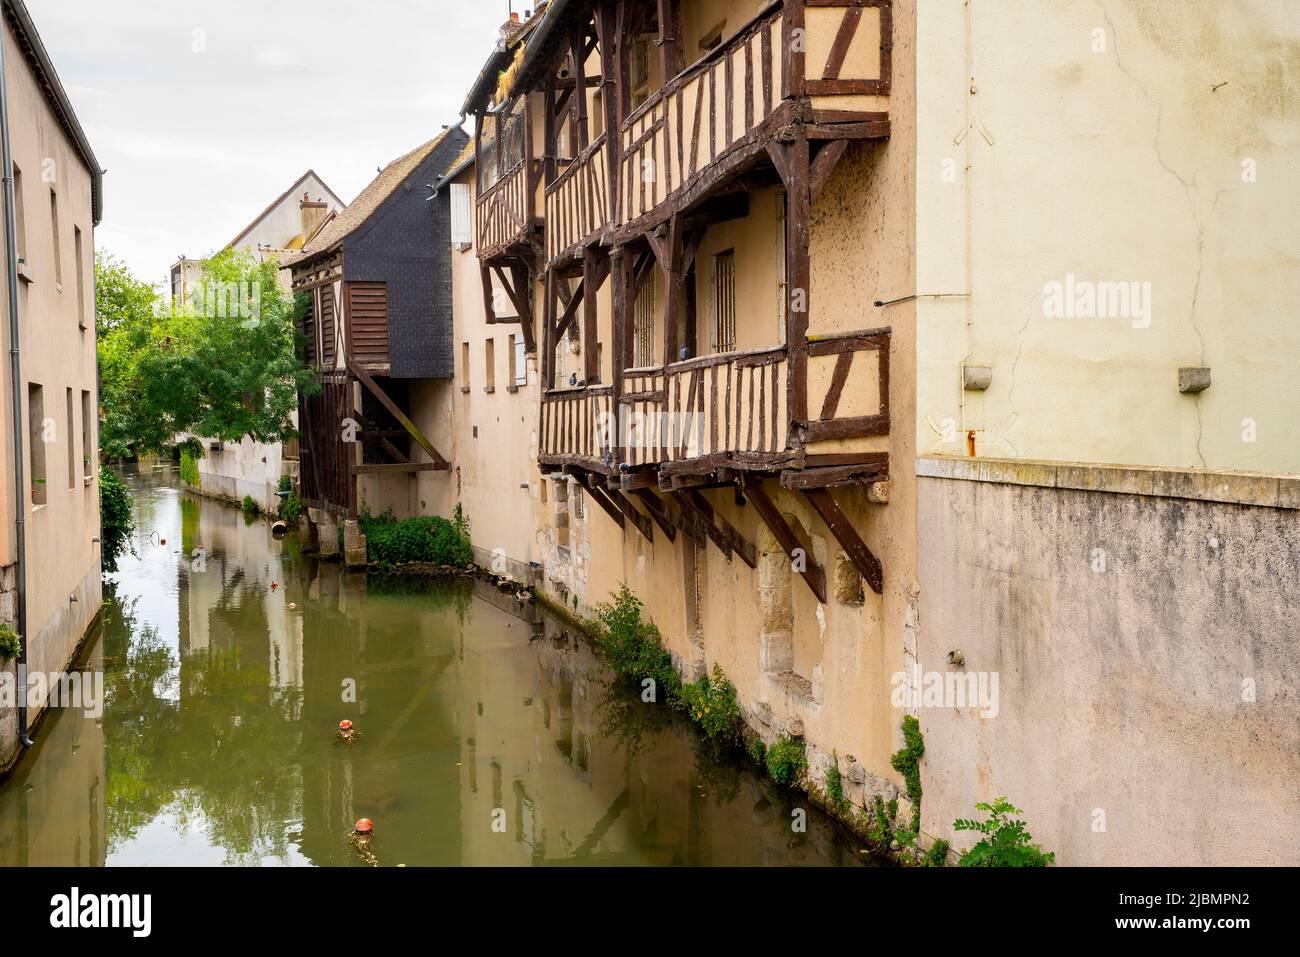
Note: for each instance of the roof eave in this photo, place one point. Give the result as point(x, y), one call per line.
point(32, 45)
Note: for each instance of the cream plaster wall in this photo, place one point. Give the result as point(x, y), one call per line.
point(1122, 140)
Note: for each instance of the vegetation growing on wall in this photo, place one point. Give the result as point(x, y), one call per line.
point(189, 468)
point(250, 506)
point(634, 648)
point(907, 762)
point(835, 786)
point(117, 519)
point(10, 643)
point(429, 539)
point(1006, 843)
point(711, 703)
point(787, 758)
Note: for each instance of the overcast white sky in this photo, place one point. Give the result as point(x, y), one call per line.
point(197, 143)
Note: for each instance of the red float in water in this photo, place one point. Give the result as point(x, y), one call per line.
point(364, 826)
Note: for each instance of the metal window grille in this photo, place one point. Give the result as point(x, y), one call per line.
point(724, 301)
point(643, 325)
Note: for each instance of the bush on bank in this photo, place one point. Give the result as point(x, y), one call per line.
point(429, 539)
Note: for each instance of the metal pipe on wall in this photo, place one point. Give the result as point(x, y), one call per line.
point(15, 372)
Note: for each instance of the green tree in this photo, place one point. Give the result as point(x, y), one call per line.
point(223, 365)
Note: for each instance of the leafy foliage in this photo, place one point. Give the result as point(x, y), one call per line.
point(711, 703)
point(290, 505)
point(166, 371)
point(937, 855)
point(635, 648)
point(117, 519)
point(907, 762)
point(786, 760)
point(10, 642)
point(189, 468)
point(835, 785)
point(426, 538)
point(250, 507)
point(1006, 843)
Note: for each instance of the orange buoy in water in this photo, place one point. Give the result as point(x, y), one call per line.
point(345, 725)
point(162, 541)
point(364, 826)
point(274, 586)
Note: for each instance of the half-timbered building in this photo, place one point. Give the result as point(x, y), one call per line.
point(373, 297)
point(675, 202)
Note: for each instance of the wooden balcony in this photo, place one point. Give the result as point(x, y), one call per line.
point(578, 428)
point(578, 203)
point(718, 115)
point(711, 410)
point(503, 214)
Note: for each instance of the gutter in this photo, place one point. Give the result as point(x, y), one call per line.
point(15, 371)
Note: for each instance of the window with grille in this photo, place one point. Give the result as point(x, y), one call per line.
point(724, 301)
point(643, 325)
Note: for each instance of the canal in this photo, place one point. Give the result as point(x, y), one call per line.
point(489, 735)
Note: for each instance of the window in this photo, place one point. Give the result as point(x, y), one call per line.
point(68, 433)
point(464, 367)
point(724, 301)
point(461, 234)
point(81, 279)
point(782, 277)
point(490, 360)
point(640, 70)
point(713, 37)
point(88, 449)
point(643, 325)
point(36, 439)
point(20, 219)
point(518, 361)
point(54, 226)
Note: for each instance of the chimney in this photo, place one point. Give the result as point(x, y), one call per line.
point(313, 214)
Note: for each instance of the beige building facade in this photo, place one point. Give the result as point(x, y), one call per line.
point(911, 358)
point(50, 589)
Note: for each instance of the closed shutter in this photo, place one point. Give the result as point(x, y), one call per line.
point(368, 321)
point(460, 215)
point(327, 322)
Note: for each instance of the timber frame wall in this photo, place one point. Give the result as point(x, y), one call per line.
point(777, 101)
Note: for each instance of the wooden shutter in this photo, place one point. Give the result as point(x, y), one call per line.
point(327, 335)
point(368, 322)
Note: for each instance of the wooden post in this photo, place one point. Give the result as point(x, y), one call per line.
point(578, 38)
point(673, 277)
point(798, 277)
point(667, 40)
point(548, 130)
point(590, 283)
point(618, 264)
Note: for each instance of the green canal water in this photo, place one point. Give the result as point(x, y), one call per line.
point(489, 735)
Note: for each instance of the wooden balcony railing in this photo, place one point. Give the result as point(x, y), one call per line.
point(502, 213)
point(578, 203)
point(730, 99)
point(577, 426)
point(700, 115)
point(713, 407)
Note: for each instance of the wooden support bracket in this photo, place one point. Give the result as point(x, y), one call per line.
point(412, 429)
point(720, 531)
point(812, 573)
point(868, 566)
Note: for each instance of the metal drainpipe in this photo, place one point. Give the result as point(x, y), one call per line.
point(15, 371)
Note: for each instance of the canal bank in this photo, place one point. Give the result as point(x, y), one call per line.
point(490, 733)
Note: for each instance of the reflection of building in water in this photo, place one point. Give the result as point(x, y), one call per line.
point(52, 809)
point(228, 602)
point(588, 774)
point(381, 653)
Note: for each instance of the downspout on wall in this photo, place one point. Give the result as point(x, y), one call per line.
point(15, 372)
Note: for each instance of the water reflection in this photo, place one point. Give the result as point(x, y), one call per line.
point(489, 736)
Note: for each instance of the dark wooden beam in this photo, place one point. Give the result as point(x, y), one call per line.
point(391, 467)
point(812, 573)
point(600, 498)
point(868, 566)
point(874, 470)
point(723, 533)
point(824, 165)
point(640, 521)
point(655, 507)
point(364, 378)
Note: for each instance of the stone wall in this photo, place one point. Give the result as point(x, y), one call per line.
point(1140, 623)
